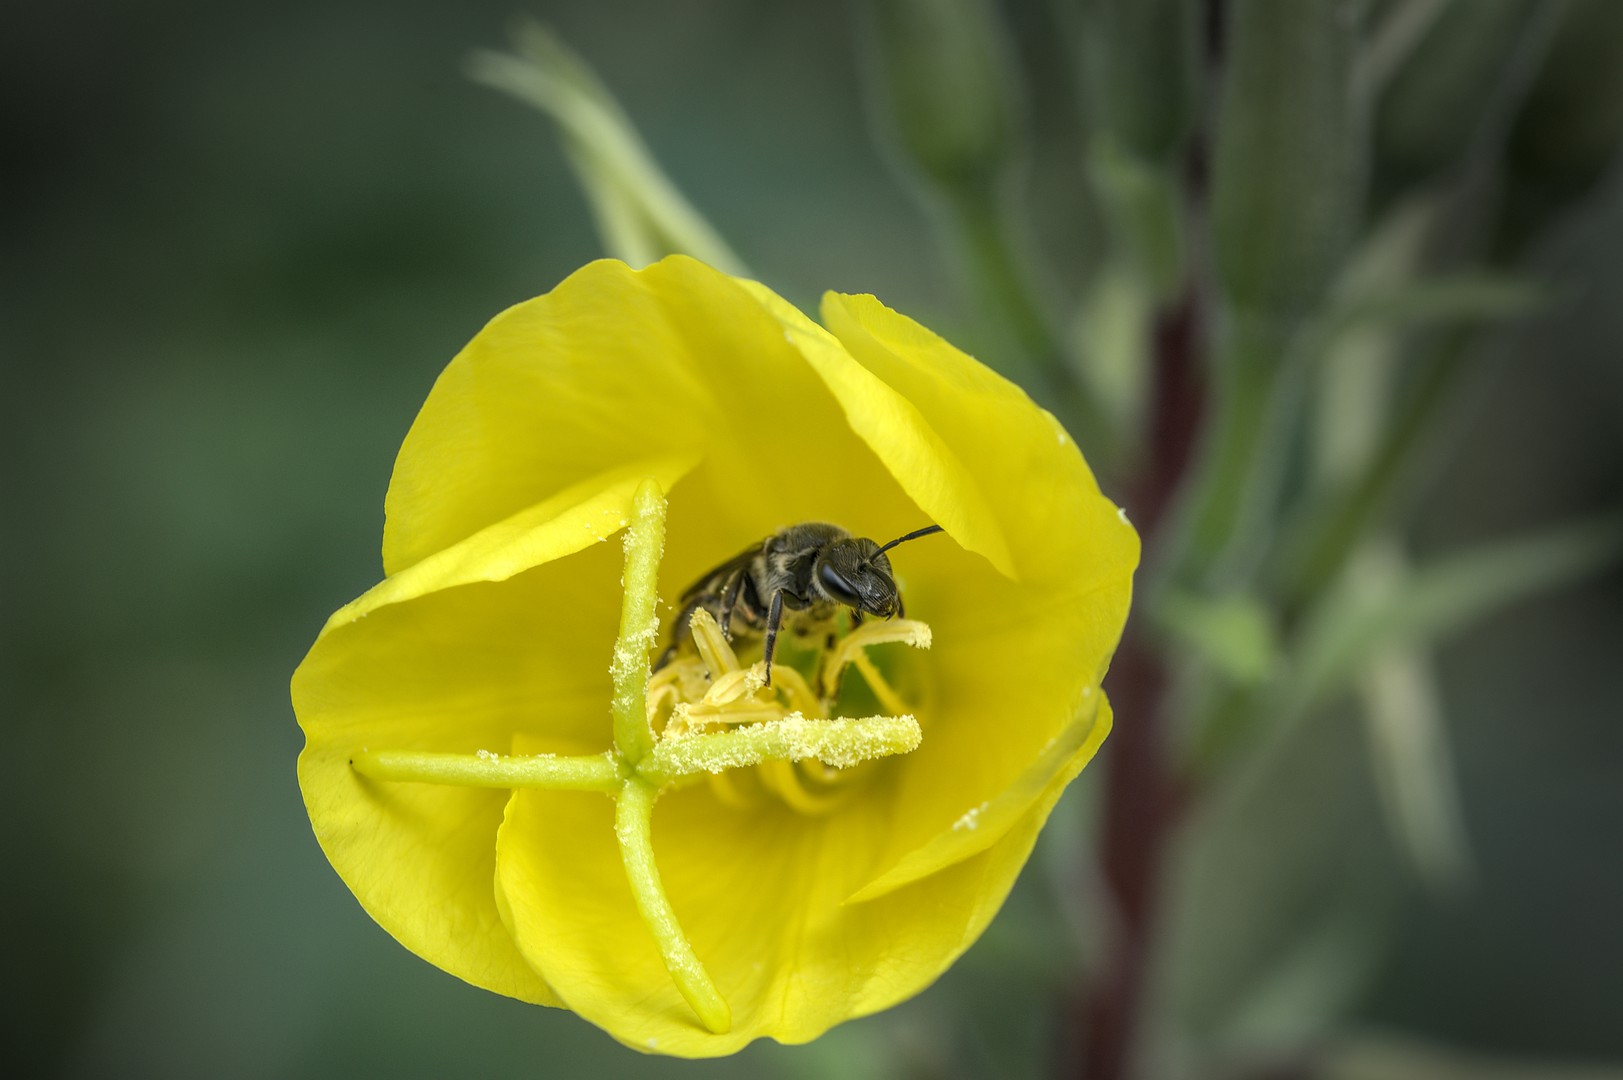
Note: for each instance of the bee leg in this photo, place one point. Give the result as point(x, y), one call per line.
point(729, 600)
point(901, 609)
point(774, 616)
point(856, 617)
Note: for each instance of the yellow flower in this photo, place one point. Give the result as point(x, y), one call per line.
point(462, 718)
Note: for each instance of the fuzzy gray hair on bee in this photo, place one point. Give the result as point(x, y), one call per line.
point(802, 574)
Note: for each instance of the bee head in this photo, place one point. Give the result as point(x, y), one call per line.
point(855, 572)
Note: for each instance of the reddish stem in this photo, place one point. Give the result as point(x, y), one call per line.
point(1141, 796)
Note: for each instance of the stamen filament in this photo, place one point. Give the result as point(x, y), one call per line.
point(592, 772)
point(882, 690)
point(794, 687)
point(840, 743)
point(906, 631)
point(633, 825)
point(784, 778)
point(639, 625)
point(731, 716)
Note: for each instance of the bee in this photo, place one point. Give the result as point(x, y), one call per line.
point(800, 575)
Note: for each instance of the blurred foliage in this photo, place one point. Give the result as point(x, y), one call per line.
point(241, 242)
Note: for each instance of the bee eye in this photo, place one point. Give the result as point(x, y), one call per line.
point(837, 586)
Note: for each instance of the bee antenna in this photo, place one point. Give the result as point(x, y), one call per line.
point(914, 535)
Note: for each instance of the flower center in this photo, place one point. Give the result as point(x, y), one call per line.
point(709, 717)
point(713, 692)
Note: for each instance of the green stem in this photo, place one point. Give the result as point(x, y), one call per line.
point(633, 826)
point(639, 624)
point(999, 275)
point(1224, 523)
point(1006, 292)
point(594, 772)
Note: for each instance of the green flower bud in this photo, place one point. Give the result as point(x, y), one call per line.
point(943, 75)
point(1288, 175)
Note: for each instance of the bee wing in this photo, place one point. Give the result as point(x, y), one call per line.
point(715, 579)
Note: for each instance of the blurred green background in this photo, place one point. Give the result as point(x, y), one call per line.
point(240, 242)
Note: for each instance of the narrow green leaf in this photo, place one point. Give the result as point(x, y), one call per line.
point(1466, 297)
point(1403, 716)
point(1409, 749)
point(1376, 398)
point(1356, 624)
point(1358, 496)
point(1234, 634)
point(640, 213)
point(1392, 41)
point(1367, 389)
point(1353, 367)
point(1389, 1057)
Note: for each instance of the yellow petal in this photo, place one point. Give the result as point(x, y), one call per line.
point(1023, 464)
point(1014, 659)
point(762, 897)
point(1013, 670)
point(420, 860)
point(985, 823)
point(927, 468)
point(423, 662)
point(1019, 649)
point(615, 366)
point(586, 513)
